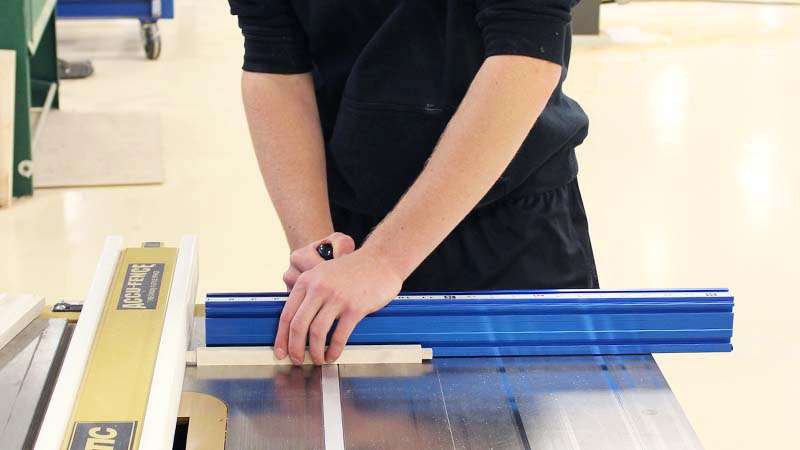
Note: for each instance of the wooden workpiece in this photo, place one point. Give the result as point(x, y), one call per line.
point(265, 356)
point(7, 79)
point(17, 312)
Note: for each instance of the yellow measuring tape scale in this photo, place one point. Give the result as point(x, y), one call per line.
point(112, 400)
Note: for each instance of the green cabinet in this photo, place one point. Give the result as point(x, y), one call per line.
point(38, 13)
point(29, 27)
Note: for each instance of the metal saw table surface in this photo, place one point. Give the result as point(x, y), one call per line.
point(592, 402)
point(28, 367)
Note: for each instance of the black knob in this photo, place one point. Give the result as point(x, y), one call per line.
point(325, 250)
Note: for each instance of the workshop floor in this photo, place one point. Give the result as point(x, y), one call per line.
point(689, 176)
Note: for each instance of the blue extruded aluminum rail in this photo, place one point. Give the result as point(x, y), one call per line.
point(509, 323)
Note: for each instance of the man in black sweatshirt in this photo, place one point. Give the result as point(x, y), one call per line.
point(428, 140)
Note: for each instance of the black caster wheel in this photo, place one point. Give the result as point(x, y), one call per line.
point(151, 39)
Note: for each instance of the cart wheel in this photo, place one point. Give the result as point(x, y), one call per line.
point(151, 40)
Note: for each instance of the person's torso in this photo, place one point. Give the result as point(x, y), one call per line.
point(389, 75)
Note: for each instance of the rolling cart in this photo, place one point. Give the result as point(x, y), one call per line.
point(147, 11)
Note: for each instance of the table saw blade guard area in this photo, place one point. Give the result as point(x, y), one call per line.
point(509, 323)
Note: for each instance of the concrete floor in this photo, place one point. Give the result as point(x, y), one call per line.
point(689, 176)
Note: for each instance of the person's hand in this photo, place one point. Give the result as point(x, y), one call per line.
point(306, 258)
point(346, 289)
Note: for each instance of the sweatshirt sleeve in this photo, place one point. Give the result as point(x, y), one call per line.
point(274, 41)
point(536, 28)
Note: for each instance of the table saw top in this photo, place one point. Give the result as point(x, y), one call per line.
point(592, 402)
point(577, 402)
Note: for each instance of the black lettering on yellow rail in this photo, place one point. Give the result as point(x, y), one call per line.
point(141, 286)
point(102, 436)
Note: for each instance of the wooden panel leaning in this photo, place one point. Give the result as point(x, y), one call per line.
point(7, 79)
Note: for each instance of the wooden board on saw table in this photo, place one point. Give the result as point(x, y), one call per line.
point(17, 312)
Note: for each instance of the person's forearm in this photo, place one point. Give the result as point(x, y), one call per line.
point(284, 125)
point(503, 102)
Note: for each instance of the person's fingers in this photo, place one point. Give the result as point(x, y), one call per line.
point(290, 277)
point(318, 332)
point(290, 307)
point(347, 322)
point(305, 258)
point(298, 329)
point(342, 244)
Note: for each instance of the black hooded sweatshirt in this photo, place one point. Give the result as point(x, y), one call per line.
point(389, 75)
